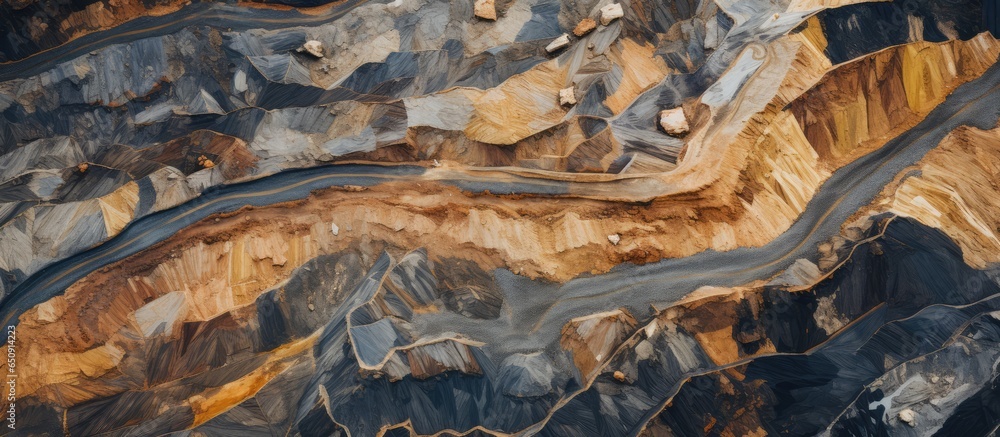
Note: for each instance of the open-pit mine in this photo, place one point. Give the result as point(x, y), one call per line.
point(500, 217)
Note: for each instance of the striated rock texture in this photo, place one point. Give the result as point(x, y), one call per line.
point(516, 217)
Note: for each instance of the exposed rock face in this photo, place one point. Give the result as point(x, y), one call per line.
point(35, 26)
point(750, 335)
point(455, 218)
point(161, 315)
point(952, 189)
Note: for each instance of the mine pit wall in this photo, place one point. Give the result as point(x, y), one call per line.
point(778, 173)
point(821, 120)
point(946, 202)
point(954, 189)
point(901, 99)
point(866, 100)
point(921, 303)
point(939, 244)
point(45, 25)
point(950, 189)
point(786, 185)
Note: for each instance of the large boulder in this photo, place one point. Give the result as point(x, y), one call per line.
point(313, 47)
point(567, 97)
point(611, 13)
point(486, 9)
point(558, 43)
point(674, 122)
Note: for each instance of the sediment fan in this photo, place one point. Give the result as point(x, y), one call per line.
point(514, 217)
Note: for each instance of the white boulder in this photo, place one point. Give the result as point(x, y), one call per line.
point(313, 47)
point(674, 122)
point(558, 43)
point(611, 13)
point(567, 96)
point(908, 416)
